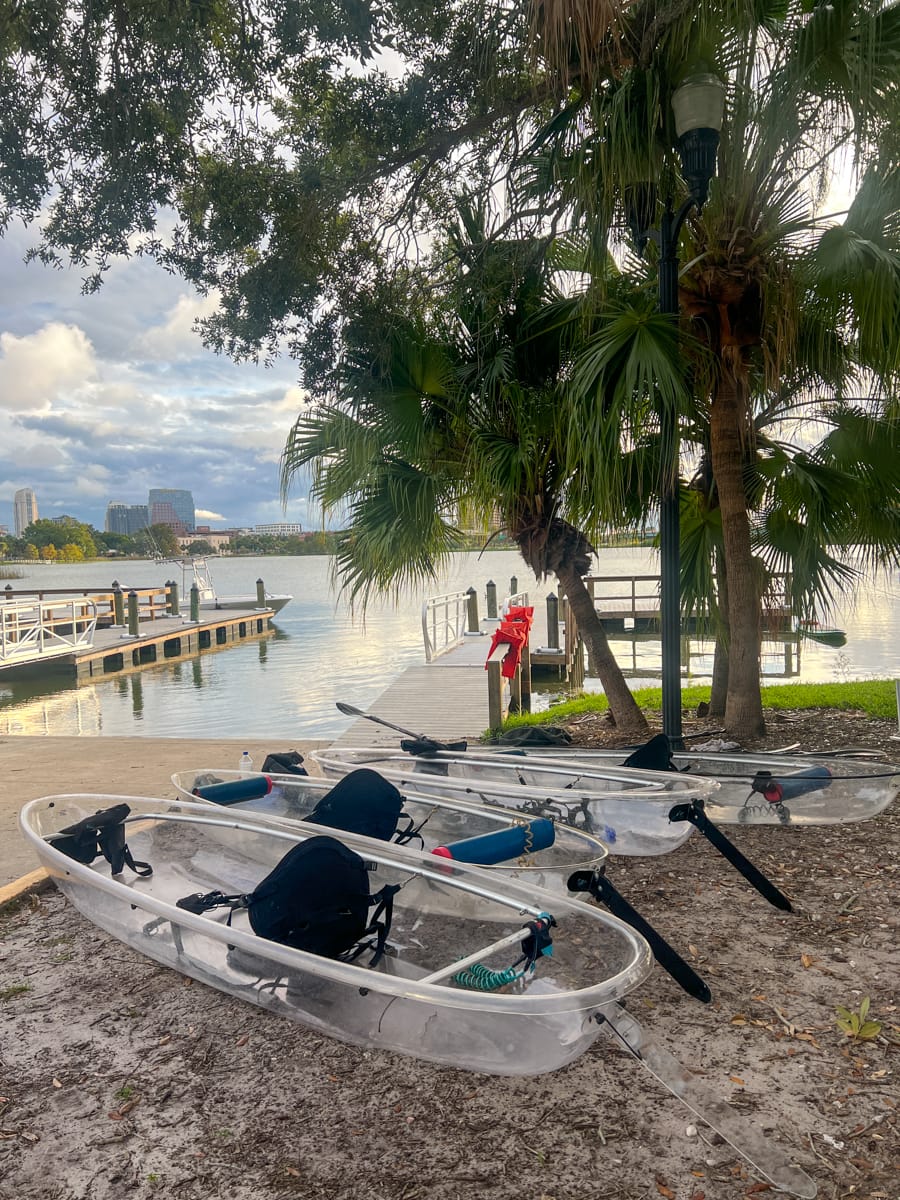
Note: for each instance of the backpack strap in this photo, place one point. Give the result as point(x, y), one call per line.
point(380, 925)
point(201, 902)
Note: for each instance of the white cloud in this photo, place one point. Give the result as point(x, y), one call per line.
point(56, 360)
point(203, 514)
point(176, 338)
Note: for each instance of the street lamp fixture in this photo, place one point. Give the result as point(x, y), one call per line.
point(698, 105)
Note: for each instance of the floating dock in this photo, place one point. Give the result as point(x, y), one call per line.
point(87, 634)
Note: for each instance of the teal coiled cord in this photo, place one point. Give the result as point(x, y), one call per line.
point(482, 979)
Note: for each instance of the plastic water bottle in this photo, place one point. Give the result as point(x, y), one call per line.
point(245, 766)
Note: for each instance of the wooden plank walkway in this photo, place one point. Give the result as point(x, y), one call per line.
point(445, 699)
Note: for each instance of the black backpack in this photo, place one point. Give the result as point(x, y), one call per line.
point(655, 755)
point(316, 899)
point(362, 802)
point(287, 763)
point(102, 833)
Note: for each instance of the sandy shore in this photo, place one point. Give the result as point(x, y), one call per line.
point(43, 766)
point(120, 1078)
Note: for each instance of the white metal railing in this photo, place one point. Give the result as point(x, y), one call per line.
point(519, 600)
point(36, 629)
point(444, 623)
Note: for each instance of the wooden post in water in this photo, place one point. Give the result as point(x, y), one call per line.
point(172, 587)
point(195, 603)
point(491, 595)
point(495, 695)
point(133, 619)
point(525, 676)
point(260, 594)
point(553, 621)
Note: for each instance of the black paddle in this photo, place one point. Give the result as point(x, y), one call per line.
point(422, 743)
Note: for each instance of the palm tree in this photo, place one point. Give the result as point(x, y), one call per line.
point(806, 85)
point(458, 414)
point(823, 487)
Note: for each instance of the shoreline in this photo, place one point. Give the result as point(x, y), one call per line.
point(36, 766)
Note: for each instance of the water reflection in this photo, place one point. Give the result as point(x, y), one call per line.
point(284, 684)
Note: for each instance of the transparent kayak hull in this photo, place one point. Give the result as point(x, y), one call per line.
point(441, 822)
point(802, 789)
point(628, 810)
point(410, 1002)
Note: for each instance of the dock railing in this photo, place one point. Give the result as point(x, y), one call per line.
point(32, 629)
point(444, 623)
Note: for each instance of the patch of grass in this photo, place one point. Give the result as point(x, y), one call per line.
point(125, 1092)
point(17, 989)
point(874, 697)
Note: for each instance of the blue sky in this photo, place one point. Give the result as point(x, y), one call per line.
point(103, 397)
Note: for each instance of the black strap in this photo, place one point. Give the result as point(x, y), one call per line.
point(113, 847)
point(384, 899)
point(201, 902)
point(403, 836)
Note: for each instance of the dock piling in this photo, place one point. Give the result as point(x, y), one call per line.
point(133, 619)
point(472, 605)
point(490, 589)
point(553, 621)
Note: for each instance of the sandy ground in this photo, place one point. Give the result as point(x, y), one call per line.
point(120, 1078)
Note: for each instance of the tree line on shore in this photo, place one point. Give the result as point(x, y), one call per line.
point(47, 541)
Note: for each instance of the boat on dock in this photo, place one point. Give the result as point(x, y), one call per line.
point(195, 572)
point(534, 851)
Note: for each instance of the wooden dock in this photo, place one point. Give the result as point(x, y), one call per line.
point(167, 639)
point(66, 633)
point(446, 698)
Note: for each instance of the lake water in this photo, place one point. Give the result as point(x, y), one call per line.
point(285, 685)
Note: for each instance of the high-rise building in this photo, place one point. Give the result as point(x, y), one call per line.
point(126, 518)
point(25, 509)
point(164, 502)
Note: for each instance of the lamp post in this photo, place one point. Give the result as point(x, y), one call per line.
point(698, 105)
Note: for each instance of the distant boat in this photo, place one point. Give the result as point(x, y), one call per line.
point(195, 571)
point(826, 635)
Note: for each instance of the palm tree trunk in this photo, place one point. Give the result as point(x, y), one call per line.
point(719, 690)
point(628, 717)
point(743, 707)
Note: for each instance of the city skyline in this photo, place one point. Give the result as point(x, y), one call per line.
point(105, 396)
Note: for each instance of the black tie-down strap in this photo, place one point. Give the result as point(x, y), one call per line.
point(102, 833)
point(379, 925)
point(668, 958)
point(694, 813)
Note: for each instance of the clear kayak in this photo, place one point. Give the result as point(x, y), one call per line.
point(761, 789)
point(628, 810)
point(453, 927)
point(541, 853)
point(510, 980)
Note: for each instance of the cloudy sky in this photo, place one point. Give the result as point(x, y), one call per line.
point(103, 397)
